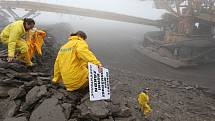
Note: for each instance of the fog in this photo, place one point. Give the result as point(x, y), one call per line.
point(175, 93)
point(129, 7)
point(114, 42)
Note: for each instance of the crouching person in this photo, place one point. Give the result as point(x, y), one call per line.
point(11, 36)
point(71, 64)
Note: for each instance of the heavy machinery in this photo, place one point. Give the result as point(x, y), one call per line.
point(187, 33)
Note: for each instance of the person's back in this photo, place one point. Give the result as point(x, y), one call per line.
point(71, 67)
point(16, 27)
point(71, 64)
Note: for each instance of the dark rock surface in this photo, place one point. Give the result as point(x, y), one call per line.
point(49, 110)
point(16, 119)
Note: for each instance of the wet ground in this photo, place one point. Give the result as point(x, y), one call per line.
point(115, 46)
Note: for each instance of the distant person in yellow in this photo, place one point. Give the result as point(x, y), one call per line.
point(35, 40)
point(71, 63)
point(12, 35)
point(143, 100)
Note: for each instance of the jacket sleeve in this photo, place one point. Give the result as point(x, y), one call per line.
point(57, 75)
point(84, 53)
point(13, 37)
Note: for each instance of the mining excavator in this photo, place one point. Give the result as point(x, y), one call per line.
point(186, 36)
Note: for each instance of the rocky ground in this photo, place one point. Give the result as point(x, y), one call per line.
point(171, 100)
point(27, 95)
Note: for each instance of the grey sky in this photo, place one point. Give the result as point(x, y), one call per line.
point(131, 7)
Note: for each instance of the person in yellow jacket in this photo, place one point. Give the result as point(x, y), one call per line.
point(71, 63)
point(143, 100)
point(12, 37)
point(35, 41)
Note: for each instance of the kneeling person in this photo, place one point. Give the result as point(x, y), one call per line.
point(11, 36)
point(71, 63)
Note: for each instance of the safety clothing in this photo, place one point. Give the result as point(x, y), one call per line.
point(11, 35)
point(35, 41)
point(71, 64)
point(143, 100)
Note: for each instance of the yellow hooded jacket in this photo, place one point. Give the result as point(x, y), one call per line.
point(35, 42)
point(12, 34)
point(143, 100)
point(71, 64)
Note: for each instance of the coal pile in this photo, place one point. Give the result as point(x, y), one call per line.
point(30, 96)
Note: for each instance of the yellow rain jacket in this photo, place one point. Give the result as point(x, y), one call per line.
point(71, 64)
point(143, 100)
point(11, 35)
point(35, 41)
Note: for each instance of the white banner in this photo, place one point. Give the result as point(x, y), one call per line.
point(99, 83)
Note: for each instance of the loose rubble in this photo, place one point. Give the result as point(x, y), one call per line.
point(35, 99)
point(27, 95)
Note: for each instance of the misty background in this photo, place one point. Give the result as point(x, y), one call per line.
point(114, 42)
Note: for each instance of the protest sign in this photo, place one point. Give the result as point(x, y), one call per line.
point(99, 83)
